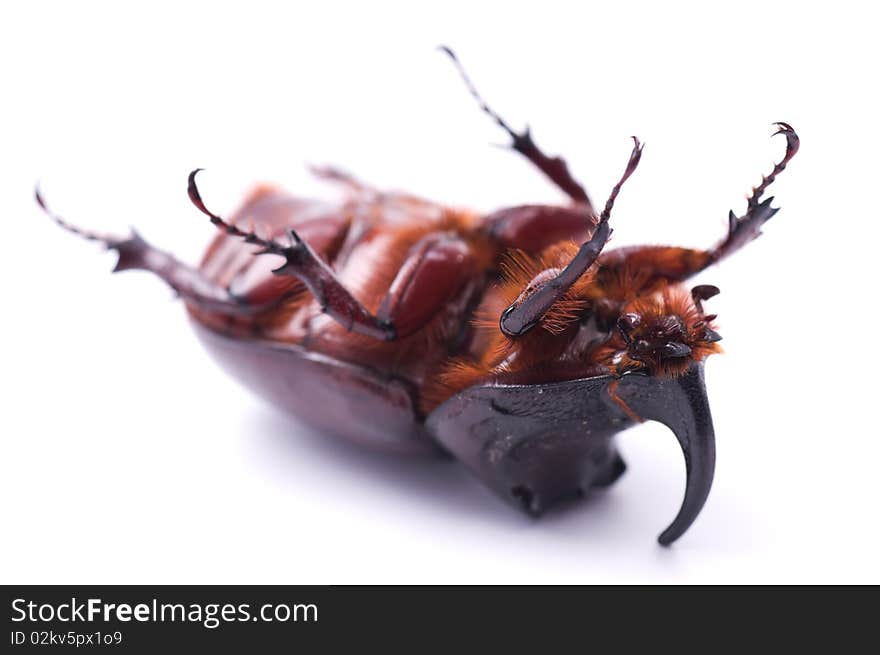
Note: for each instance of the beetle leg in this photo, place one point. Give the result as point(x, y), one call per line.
point(554, 168)
point(302, 262)
point(747, 227)
point(655, 263)
point(611, 473)
point(137, 254)
point(658, 264)
point(527, 311)
point(532, 228)
point(436, 268)
point(333, 174)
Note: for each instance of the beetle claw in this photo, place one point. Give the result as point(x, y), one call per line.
point(249, 237)
point(783, 128)
point(743, 229)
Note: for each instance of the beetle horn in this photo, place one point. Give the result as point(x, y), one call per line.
point(682, 405)
point(699, 456)
point(500, 431)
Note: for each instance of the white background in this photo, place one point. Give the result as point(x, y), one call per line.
point(128, 457)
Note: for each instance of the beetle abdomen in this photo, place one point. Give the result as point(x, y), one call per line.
point(341, 399)
point(420, 265)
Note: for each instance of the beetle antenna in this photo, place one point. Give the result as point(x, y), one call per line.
point(269, 246)
point(633, 163)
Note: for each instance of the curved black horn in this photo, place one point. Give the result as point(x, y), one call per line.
point(682, 405)
point(536, 444)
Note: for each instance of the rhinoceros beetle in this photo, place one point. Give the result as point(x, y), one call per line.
point(511, 341)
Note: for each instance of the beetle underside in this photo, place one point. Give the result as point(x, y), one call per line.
point(512, 341)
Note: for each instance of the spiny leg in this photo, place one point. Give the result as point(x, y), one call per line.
point(554, 168)
point(527, 311)
point(747, 227)
point(136, 254)
point(531, 228)
point(303, 263)
point(657, 265)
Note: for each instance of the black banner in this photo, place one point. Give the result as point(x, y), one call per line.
point(276, 619)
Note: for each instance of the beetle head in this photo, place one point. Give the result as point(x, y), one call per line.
point(666, 332)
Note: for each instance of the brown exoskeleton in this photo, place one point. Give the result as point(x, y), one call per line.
point(512, 340)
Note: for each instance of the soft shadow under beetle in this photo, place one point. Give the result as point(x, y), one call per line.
point(510, 340)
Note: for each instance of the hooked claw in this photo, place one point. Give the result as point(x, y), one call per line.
point(793, 141)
